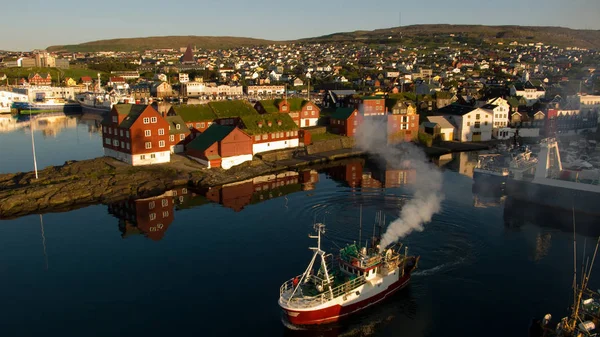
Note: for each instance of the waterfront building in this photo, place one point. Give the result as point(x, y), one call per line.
point(221, 146)
point(472, 124)
point(136, 134)
point(265, 90)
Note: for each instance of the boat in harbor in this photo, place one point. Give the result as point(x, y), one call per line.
point(545, 182)
point(584, 313)
point(51, 104)
point(357, 278)
point(101, 102)
point(491, 169)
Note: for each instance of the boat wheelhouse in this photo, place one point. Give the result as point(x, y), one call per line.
point(354, 280)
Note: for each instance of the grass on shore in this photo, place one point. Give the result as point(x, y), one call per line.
point(325, 136)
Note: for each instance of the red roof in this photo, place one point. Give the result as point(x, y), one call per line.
point(86, 78)
point(117, 79)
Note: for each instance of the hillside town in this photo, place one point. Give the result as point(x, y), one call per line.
point(223, 107)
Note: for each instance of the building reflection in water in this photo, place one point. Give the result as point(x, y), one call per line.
point(358, 173)
point(150, 217)
point(241, 194)
point(51, 124)
point(461, 162)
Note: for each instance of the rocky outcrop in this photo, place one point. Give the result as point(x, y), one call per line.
point(104, 180)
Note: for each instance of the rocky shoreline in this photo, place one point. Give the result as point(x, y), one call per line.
point(104, 180)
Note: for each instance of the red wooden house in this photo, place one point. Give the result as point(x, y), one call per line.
point(43, 79)
point(221, 146)
point(345, 121)
point(136, 134)
point(150, 216)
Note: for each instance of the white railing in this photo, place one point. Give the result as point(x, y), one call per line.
point(301, 301)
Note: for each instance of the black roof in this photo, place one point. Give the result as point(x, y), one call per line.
point(455, 109)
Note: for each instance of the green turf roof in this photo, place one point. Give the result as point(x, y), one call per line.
point(342, 113)
point(252, 128)
point(132, 112)
point(272, 105)
point(207, 138)
point(173, 121)
point(226, 109)
point(195, 112)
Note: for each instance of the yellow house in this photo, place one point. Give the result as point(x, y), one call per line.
point(70, 82)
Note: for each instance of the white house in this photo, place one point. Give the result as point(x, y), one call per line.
point(184, 78)
point(499, 108)
point(192, 88)
point(473, 124)
point(446, 128)
point(532, 91)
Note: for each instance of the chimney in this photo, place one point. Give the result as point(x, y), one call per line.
point(279, 122)
point(260, 124)
point(269, 123)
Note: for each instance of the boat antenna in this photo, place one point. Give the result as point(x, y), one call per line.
point(360, 225)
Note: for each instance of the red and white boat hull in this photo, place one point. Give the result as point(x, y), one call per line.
point(335, 311)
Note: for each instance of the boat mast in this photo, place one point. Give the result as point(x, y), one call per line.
point(360, 225)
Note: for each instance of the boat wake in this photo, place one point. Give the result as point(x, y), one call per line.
point(437, 269)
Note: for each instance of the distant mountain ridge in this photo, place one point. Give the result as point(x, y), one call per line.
point(548, 35)
point(161, 42)
point(559, 36)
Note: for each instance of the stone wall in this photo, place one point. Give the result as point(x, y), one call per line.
point(330, 145)
point(277, 154)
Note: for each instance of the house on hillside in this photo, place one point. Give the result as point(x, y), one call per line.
point(472, 124)
point(221, 146)
point(368, 105)
point(40, 79)
point(532, 91)
point(304, 113)
point(69, 82)
point(136, 134)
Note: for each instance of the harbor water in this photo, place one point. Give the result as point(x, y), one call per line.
point(210, 262)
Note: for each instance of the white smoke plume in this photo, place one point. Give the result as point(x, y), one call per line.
point(427, 197)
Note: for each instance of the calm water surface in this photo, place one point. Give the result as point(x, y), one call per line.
point(210, 263)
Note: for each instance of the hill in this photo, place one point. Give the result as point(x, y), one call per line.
point(160, 42)
point(559, 36)
point(415, 34)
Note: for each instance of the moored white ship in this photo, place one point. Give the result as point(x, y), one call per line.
point(356, 279)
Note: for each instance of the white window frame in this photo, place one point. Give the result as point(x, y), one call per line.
point(148, 133)
point(152, 216)
point(178, 127)
point(127, 134)
point(153, 120)
point(128, 146)
point(172, 138)
point(108, 141)
point(115, 119)
point(161, 132)
point(181, 136)
point(161, 143)
point(146, 120)
point(148, 145)
point(165, 202)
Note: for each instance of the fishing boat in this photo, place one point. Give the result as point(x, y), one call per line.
point(584, 315)
point(491, 169)
point(50, 104)
point(357, 278)
point(545, 182)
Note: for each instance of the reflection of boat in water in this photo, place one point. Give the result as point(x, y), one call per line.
point(546, 183)
point(356, 279)
point(518, 213)
point(487, 195)
point(47, 105)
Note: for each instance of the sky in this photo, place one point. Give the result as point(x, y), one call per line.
point(37, 24)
